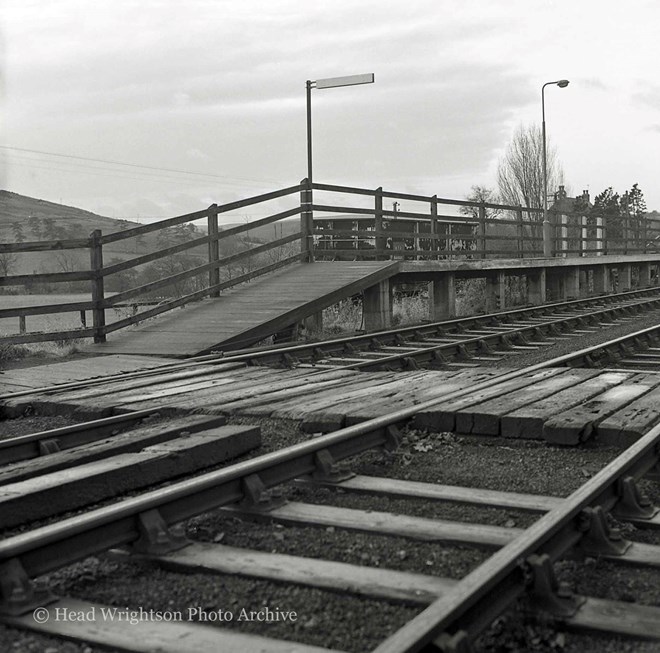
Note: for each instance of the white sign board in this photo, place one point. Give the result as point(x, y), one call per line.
point(351, 80)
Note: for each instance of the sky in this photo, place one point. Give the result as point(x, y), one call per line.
point(209, 96)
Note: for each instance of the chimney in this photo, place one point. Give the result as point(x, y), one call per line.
point(585, 196)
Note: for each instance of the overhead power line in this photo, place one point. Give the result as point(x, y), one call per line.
point(136, 165)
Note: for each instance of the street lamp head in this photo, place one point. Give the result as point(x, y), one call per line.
point(350, 80)
point(562, 83)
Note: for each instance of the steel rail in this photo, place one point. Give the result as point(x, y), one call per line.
point(262, 354)
point(470, 607)
point(593, 355)
point(490, 588)
point(22, 447)
point(52, 546)
point(473, 346)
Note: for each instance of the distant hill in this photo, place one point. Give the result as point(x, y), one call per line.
point(268, 232)
point(41, 220)
point(25, 218)
point(20, 208)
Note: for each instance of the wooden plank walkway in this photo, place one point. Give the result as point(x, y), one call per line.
point(78, 369)
point(247, 314)
point(559, 405)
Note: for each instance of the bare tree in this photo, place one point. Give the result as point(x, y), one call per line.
point(8, 261)
point(520, 170)
point(482, 194)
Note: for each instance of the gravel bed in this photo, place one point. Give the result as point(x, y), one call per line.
point(19, 641)
point(398, 553)
point(11, 428)
point(413, 507)
point(322, 618)
point(514, 465)
point(492, 463)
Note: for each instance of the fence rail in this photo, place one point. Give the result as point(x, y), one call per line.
point(340, 230)
point(516, 232)
point(205, 278)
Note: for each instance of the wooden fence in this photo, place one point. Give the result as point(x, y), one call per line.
point(375, 233)
point(97, 273)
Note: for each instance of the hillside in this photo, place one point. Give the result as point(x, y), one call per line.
point(19, 208)
point(30, 219)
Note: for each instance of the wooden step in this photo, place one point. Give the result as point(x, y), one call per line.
point(67, 489)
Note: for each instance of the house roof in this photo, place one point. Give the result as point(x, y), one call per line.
point(564, 204)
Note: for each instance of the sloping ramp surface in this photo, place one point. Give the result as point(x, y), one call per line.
point(249, 313)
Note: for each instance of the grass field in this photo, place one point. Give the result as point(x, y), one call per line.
point(53, 322)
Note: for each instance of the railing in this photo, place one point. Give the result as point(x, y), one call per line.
point(372, 232)
point(211, 284)
point(375, 233)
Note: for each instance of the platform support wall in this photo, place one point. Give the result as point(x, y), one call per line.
point(536, 287)
point(571, 284)
point(644, 275)
point(583, 282)
point(555, 287)
point(442, 297)
point(314, 323)
point(495, 292)
point(602, 281)
point(625, 277)
point(377, 306)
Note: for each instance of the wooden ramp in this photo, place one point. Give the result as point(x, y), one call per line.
point(249, 313)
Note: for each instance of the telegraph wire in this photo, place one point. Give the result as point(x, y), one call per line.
point(136, 165)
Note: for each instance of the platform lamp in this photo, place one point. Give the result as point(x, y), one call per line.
point(330, 82)
point(547, 236)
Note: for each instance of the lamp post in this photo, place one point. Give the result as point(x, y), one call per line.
point(547, 236)
point(330, 82)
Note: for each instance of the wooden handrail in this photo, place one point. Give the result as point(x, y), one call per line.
point(198, 215)
point(200, 269)
point(521, 237)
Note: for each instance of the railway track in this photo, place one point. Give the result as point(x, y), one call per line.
point(428, 611)
point(639, 351)
point(464, 342)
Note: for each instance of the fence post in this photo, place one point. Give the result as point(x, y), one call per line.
point(521, 233)
point(22, 327)
point(482, 230)
point(381, 242)
point(306, 222)
point(563, 235)
point(435, 243)
point(96, 261)
point(645, 234)
point(214, 250)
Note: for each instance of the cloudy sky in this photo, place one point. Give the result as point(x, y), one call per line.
point(217, 88)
